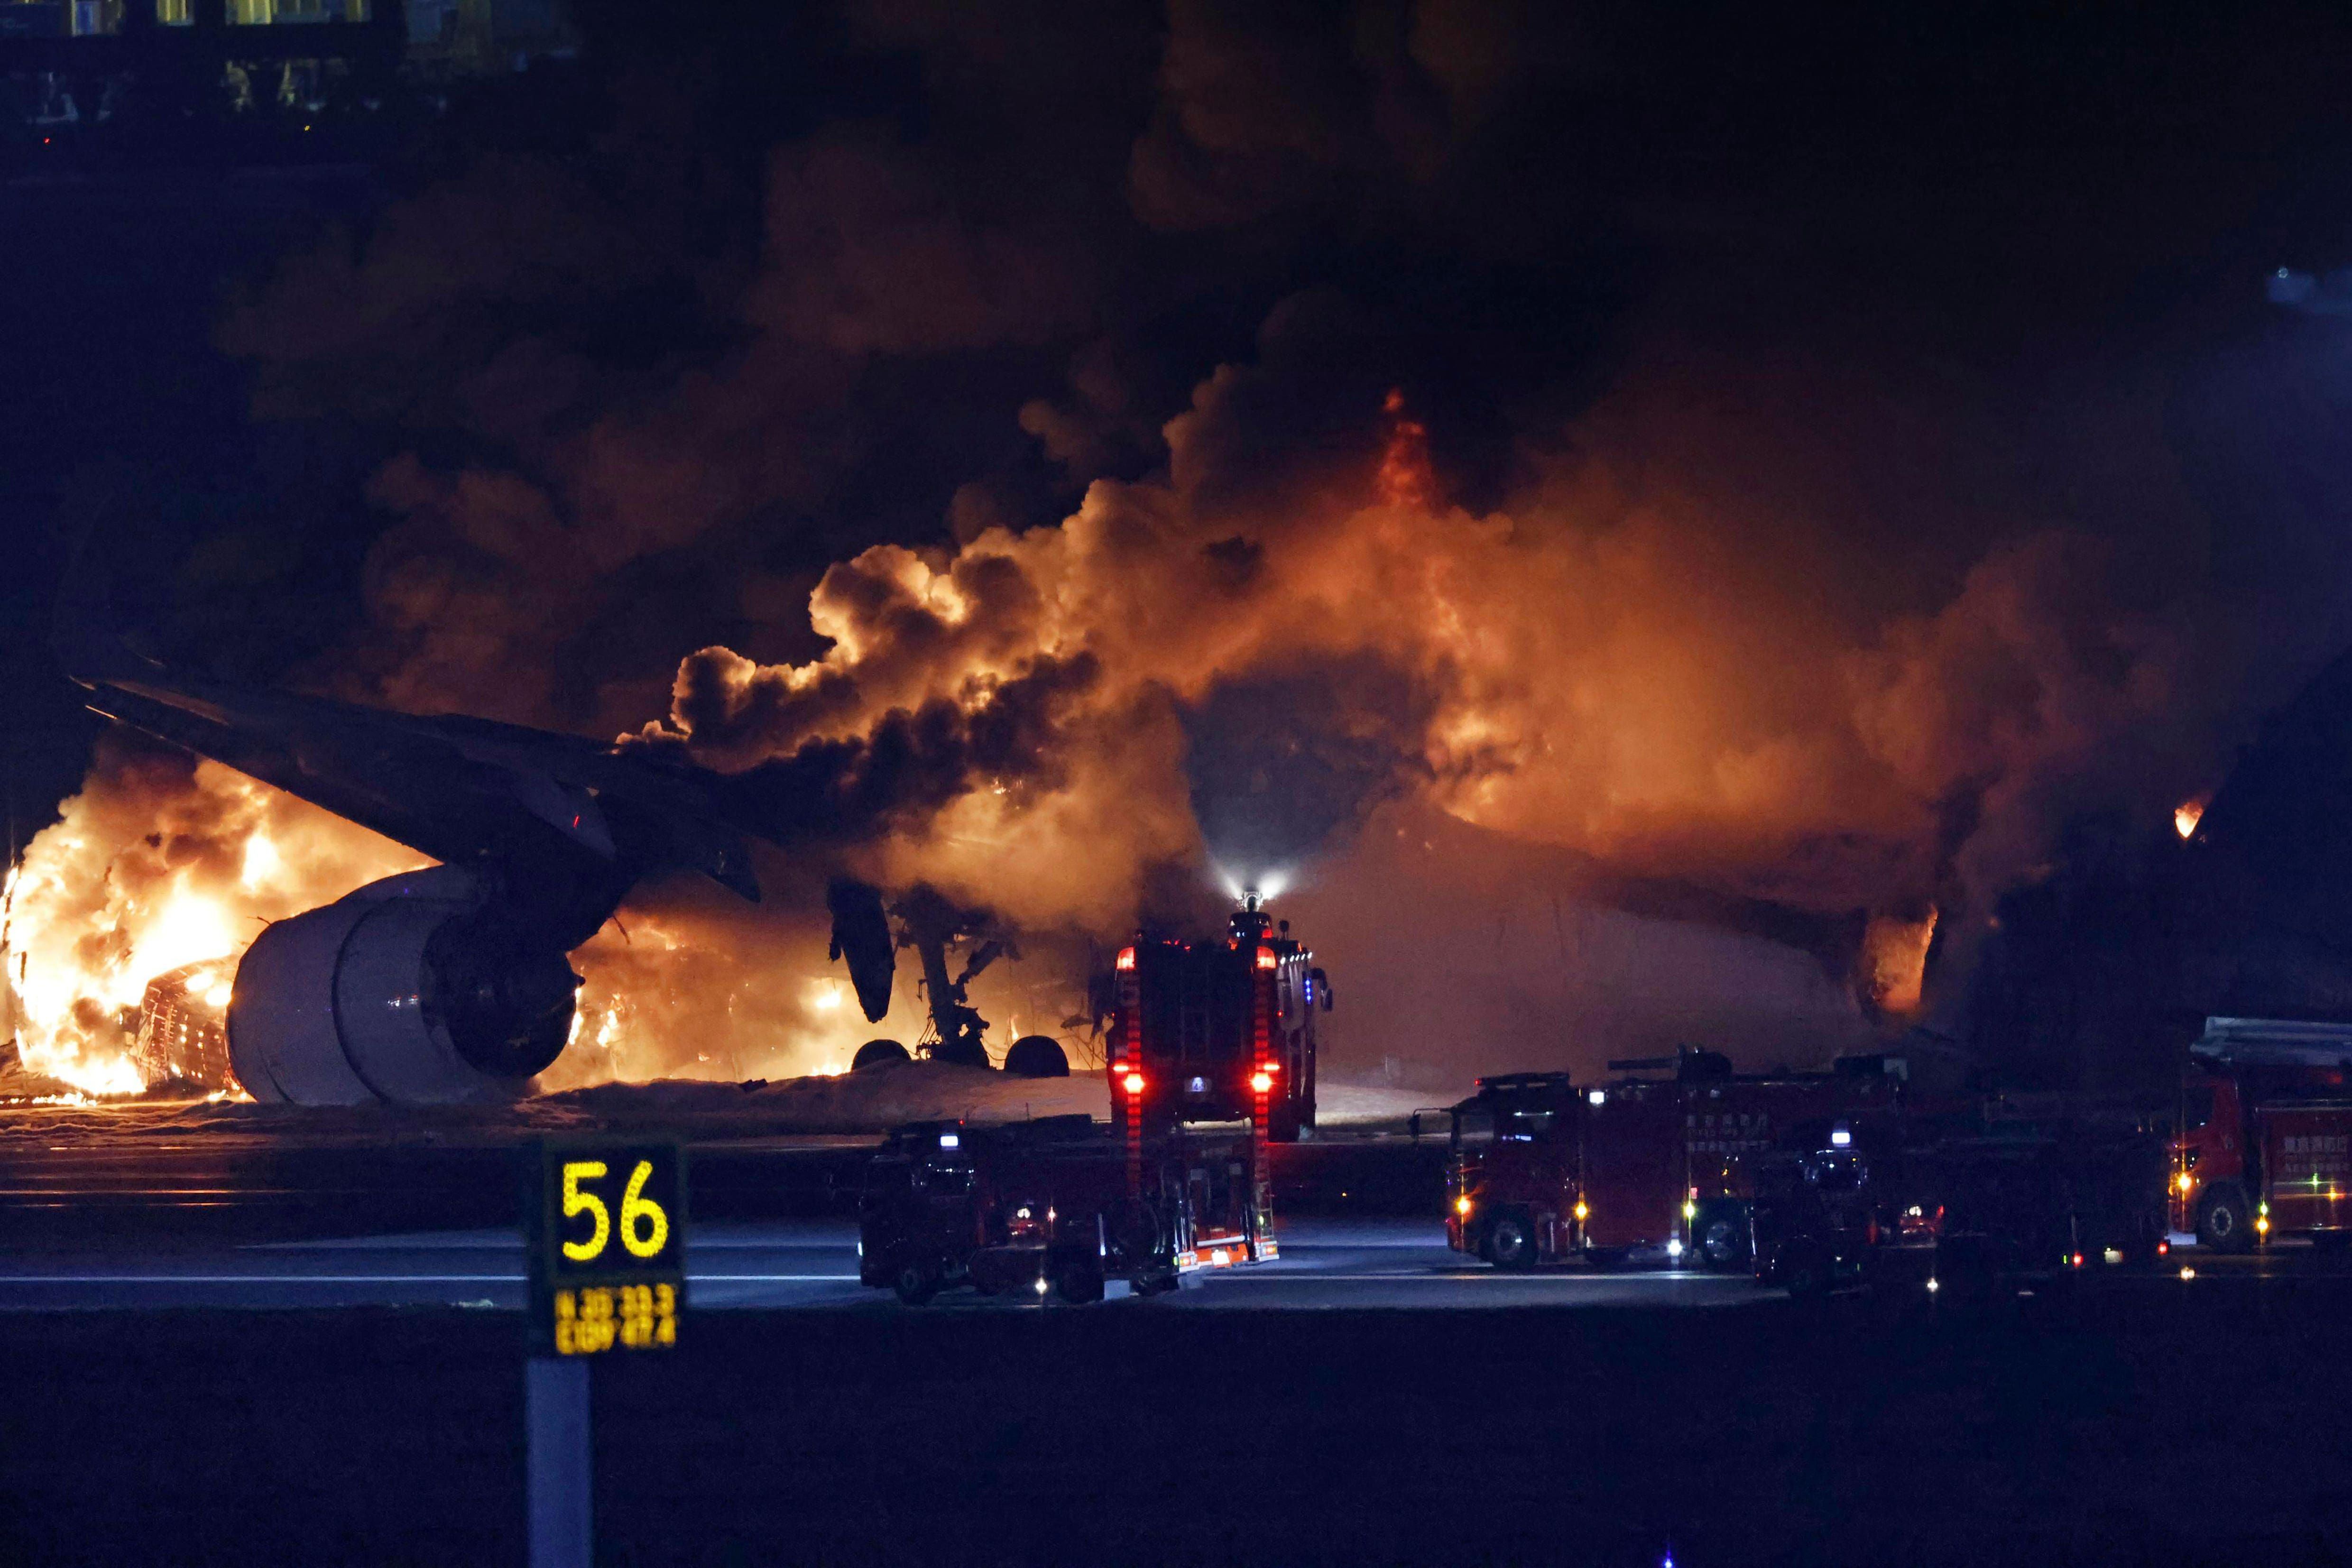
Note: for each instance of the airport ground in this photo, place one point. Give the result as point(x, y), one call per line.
point(237, 1384)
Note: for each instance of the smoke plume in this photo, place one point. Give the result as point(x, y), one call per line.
point(1097, 456)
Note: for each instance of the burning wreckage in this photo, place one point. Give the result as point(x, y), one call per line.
point(452, 983)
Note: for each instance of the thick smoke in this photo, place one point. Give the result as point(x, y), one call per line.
point(1283, 439)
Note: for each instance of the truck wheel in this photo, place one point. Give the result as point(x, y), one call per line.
point(2223, 1222)
point(1723, 1242)
point(1079, 1285)
point(1157, 1280)
point(1806, 1273)
point(1511, 1241)
point(917, 1282)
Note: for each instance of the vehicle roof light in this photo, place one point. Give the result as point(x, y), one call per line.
point(1597, 1096)
point(1840, 1136)
point(949, 1140)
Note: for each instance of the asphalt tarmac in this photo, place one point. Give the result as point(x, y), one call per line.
point(809, 1264)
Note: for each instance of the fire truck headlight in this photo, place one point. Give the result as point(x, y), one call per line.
point(1132, 1083)
point(1461, 1205)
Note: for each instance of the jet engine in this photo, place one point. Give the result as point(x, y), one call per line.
point(416, 990)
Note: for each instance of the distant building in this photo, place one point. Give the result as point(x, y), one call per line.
point(468, 35)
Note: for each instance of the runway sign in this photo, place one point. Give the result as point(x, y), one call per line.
point(604, 1227)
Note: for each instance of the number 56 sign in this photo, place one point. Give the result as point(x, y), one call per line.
point(605, 1226)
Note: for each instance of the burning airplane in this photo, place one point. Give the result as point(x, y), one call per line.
point(451, 983)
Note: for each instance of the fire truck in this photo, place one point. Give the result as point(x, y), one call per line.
point(2263, 1144)
point(1202, 1034)
point(1057, 1206)
point(1540, 1168)
point(1970, 1195)
point(1217, 1031)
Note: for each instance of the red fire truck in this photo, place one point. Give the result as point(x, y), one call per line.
point(1643, 1164)
point(1054, 1205)
point(2264, 1143)
point(1217, 1031)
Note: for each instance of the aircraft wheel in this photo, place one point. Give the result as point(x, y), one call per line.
point(878, 1053)
point(1037, 1055)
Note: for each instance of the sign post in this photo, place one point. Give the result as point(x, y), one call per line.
point(604, 1233)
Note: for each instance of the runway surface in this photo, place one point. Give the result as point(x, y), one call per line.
point(808, 1264)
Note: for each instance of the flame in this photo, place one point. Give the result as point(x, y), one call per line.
point(1895, 958)
point(156, 865)
point(1405, 478)
point(2187, 816)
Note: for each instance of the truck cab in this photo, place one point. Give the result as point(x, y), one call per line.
point(2261, 1145)
point(1218, 1031)
point(1053, 1207)
point(948, 1204)
point(1513, 1171)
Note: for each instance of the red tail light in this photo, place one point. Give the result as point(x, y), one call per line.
point(1126, 958)
point(1132, 1083)
point(1262, 1081)
point(1265, 959)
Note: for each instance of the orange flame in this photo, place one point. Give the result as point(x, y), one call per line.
point(1405, 477)
point(2187, 816)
